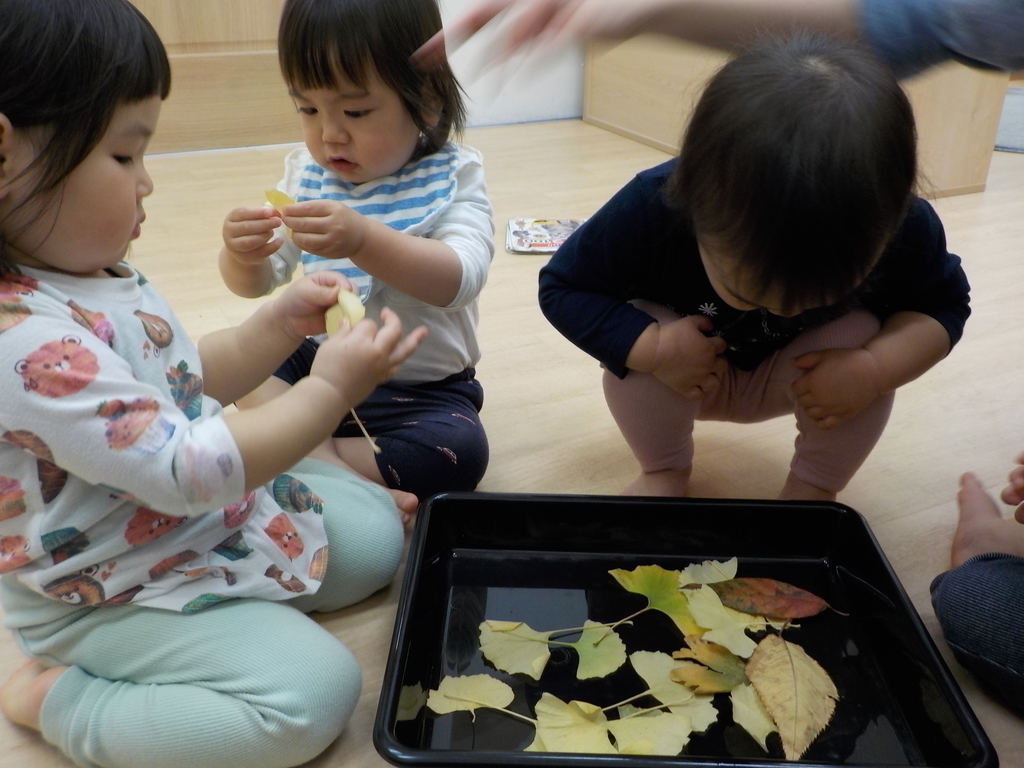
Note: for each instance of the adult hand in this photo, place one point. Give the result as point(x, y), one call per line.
point(541, 20)
point(1014, 492)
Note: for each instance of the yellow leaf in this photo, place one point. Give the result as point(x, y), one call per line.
point(601, 651)
point(656, 670)
point(349, 307)
point(661, 588)
point(797, 693)
point(514, 647)
point(709, 572)
point(537, 745)
point(278, 199)
point(469, 693)
point(573, 727)
point(410, 701)
point(749, 713)
point(701, 711)
point(661, 733)
point(719, 670)
point(707, 610)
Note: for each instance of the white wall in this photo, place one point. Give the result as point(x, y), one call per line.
point(528, 88)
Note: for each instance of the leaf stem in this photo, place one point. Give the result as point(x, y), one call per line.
point(488, 706)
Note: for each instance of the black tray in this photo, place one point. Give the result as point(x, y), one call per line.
point(544, 559)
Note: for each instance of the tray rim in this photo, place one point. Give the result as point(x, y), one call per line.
point(401, 755)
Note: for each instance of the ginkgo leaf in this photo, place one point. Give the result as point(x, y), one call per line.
point(656, 671)
point(701, 711)
point(661, 588)
point(769, 597)
point(537, 745)
point(469, 693)
point(749, 713)
point(410, 701)
point(709, 572)
point(660, 733)
point(515, 647)
point(707, 610)
point(573, 727)
point(601, 651)
point(279, 199)
point(719, 669)
point(797, 693)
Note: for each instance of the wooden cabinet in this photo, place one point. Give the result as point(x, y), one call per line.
point(226, 88)
point(645, 88)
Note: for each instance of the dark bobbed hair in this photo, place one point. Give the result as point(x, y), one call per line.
point(65, 67)
point(320, 39)
point(799, 162)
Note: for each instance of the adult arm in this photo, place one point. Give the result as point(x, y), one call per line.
point(911, 35)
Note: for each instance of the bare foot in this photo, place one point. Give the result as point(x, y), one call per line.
point(21, 697)
point(668, 482)
point(982, 528)
point(796, 489)
point(405, 501)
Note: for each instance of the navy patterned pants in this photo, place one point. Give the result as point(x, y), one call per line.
point(430, 435)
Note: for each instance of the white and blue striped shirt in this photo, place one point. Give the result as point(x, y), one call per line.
point(442, 196)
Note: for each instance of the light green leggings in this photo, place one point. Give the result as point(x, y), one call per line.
point(247, 683)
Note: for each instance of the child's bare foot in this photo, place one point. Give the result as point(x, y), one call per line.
point(21, 697)
point(796, 489)
point(668, 482)
point(982, 528)
point(406, 503)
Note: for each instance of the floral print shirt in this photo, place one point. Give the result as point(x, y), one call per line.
point(119, 480)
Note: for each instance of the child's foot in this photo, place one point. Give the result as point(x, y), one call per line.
point(21, 697)
point(796, 489)
point(982, 528)
point(668, 482)
point(406, 503)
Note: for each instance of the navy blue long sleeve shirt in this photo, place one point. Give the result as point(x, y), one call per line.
point(637, 246)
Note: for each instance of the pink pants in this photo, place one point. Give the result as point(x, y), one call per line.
point(657, 422)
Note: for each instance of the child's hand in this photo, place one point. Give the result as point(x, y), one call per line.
point(837, 384)
point(327, 228)
point(1014, 492)
point(247, 234)
point(301, 306)
point(687, 360)
point(355, 360)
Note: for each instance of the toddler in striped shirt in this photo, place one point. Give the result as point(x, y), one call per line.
point(384, 197)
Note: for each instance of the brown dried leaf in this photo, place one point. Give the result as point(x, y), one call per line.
point(798, 694)
point(719, 669)
point(768, 597)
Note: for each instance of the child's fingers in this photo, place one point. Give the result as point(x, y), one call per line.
point(250, 227)
point(251, 213)
point(807, 361)
point(255, 248)
point(406, 346)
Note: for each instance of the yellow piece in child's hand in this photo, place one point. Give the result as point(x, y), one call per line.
point(278, 199)
point(349, 307)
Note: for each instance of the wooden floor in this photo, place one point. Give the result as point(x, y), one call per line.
point(549, 428)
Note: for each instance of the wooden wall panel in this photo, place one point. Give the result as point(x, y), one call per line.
point(190, 25)
point(226, 88)
point(645, 89)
